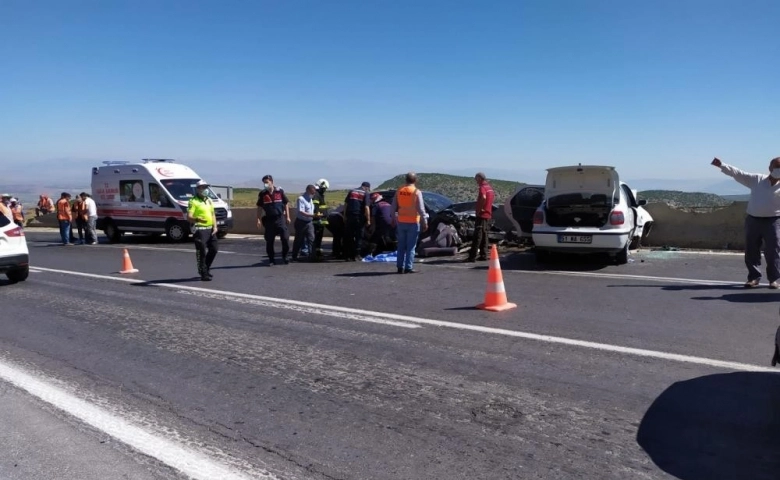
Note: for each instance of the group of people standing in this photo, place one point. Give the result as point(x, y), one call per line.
point(80, 213)
point(400, 221)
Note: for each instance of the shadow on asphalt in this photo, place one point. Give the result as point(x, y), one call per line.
point(724, 426)
point(150, 283)
point(367, 274)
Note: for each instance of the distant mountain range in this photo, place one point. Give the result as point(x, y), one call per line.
point(457, 187)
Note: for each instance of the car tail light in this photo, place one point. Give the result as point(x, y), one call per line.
point(617, 218)
point(15, 232)
point(538, 217)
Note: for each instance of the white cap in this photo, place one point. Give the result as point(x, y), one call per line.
point(202, 183)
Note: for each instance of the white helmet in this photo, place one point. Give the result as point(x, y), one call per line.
point(322, 183)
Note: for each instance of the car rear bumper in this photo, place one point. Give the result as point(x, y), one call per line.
point(12, 262)
point(610, 242)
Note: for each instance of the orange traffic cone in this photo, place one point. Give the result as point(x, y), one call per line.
point(495, 295)
point(127, 264)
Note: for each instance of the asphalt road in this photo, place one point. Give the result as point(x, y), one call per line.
point(655, 369)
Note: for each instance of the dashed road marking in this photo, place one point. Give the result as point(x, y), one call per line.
point(675, 357)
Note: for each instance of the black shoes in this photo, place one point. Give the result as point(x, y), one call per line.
point(400, 270)
point(482, 258)
point(470, 260)
point(205, 278)
point(410, 270)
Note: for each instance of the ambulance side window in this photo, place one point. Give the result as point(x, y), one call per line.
point(131, 191)
point(158, 196)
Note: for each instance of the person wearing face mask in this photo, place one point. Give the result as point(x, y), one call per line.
point(273, 213)
point(304, 228)
point(200, 212)
point(762, 222)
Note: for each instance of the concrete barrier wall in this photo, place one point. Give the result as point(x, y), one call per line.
point(720, 229)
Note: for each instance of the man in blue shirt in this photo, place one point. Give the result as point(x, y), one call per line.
point(304, 228)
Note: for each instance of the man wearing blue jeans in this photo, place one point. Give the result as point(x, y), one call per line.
point(410, 219)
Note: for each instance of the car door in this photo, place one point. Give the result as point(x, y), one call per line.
point(521, 206)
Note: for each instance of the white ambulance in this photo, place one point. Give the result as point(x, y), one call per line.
point(149, 197)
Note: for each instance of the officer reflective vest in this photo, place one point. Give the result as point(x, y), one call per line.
point(320, 207)
point(272, 202)
point(63, 210)
point(406, 198)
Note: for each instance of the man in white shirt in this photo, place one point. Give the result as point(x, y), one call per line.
point(762, 222)
point(304, 228)
point(91, 218)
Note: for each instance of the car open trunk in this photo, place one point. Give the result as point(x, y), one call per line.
point(581, 196)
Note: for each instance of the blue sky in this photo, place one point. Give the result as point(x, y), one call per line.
point(299, 87)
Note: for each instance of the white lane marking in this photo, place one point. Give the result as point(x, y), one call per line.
point(305, 307)
point(675, 357)
point(188, 461)
point(284, 304)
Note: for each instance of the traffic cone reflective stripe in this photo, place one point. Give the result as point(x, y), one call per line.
point(495, 293)
point(127, 264)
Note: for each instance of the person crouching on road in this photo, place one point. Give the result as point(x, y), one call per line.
point(200, 212)
point(383, 234)
point(335, 226)
point(484, 212)
point(410, 218)
point(762, 222)
point(357, 216)
point(273, 213)
point(304, 228)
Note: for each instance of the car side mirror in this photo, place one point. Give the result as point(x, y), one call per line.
point(642, 203)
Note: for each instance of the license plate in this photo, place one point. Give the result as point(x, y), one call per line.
point(575, 238)
point(220, 222)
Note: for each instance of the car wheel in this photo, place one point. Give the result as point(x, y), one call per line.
point(18, 275)
point(113, 233)
point(622, 257)
point(176, 232)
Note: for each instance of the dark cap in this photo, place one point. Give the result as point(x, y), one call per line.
point(365, 184)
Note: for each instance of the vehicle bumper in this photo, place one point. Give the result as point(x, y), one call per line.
point(12, 262)
point(227, 226)
point(601, 242)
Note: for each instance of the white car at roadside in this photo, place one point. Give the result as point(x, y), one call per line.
point(14, 256)
point(587, 209)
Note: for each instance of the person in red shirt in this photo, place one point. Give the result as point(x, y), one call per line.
point(484, 212)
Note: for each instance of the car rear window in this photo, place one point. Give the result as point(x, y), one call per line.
point(4, 221)
point(595, 199)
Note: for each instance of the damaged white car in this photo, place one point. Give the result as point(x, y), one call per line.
point(587, 209)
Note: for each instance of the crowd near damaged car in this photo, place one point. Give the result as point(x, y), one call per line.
point(587, 209)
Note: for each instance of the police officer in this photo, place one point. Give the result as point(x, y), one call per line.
point(336, 228)
point(200, 212)
point(320, 217)
point(357, 216)
point(273, 213)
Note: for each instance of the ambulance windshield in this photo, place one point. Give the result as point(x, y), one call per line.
point(182, 189)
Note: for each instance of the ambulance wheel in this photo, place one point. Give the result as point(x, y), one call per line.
point(222, 234)
point(113, 234)
point(176, 232)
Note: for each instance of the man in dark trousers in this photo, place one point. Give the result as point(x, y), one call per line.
point(320, 221)
point(273, 213)
point(336, 228)
point(357, 216)
point(200, 213)
point(484, 213)
point(383, 234)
